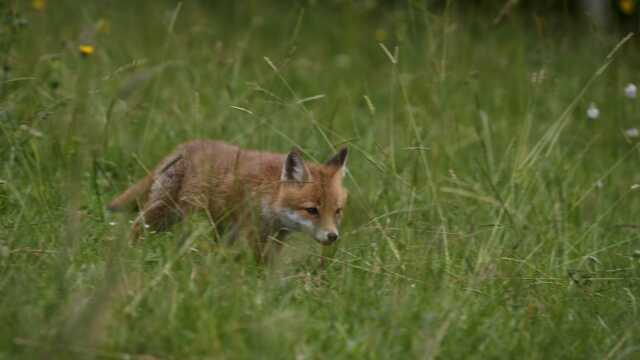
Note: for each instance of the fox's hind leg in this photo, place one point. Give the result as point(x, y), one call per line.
point(161, 209)
point(156, 216)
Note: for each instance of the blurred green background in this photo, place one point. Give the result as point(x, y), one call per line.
point(489, 217)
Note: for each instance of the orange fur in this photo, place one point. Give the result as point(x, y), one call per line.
point(231, 184)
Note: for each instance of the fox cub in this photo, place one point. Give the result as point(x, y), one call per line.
point(263, 195)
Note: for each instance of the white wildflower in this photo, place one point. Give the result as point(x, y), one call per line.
point(630, 91)
point(537, 77)
point(33, 132)
point(112, 223)
point(599, 184)
point(632, 133)
point(593, 112)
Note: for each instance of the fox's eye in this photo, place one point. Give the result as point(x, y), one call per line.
point(312, 210)
point(339, 212)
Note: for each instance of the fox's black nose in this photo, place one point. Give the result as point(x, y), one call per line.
point(332, 237)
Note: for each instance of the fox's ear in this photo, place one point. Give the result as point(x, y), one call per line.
point(293, 169)
point(339, 160)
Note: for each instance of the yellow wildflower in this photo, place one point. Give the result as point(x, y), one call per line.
point(380, 35)
point(86, 50)
point(38, 5)
point(627, 7)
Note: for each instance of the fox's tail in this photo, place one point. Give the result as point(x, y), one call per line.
point(131, 194)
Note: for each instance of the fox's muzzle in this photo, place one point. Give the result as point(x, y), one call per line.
point(325, 237)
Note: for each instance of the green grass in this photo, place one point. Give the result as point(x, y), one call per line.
point(474, 227)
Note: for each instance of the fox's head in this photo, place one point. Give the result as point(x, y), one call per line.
point(311, 196)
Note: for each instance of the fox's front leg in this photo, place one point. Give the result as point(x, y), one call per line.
point(327, 253)
point(267, 245)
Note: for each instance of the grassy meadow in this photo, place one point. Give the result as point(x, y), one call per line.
point(488, 216)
